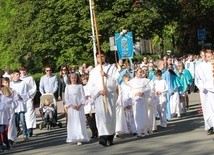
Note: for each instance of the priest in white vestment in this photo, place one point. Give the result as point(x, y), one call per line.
point(105, 119)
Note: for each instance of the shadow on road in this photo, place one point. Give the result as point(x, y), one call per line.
point(56, 139)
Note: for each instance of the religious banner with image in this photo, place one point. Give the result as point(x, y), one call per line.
point(124, 45)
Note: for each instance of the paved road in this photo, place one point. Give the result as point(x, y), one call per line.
point(185, 135)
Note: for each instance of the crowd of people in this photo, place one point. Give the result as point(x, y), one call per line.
point(113, 99)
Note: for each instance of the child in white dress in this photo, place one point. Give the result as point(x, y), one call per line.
point(76, 125)
point(161, 89)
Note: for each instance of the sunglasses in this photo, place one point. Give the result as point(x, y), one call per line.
point(48, 70)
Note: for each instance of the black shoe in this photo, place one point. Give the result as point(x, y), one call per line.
point(134, 134)
point(1, 148)
point(94, 137)
point(210, 131)
point(103, 142)
point(19, 132)
point(8, 148)
point(11, 142)
point(110, 143)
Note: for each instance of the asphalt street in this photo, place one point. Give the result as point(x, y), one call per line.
point(184, 135)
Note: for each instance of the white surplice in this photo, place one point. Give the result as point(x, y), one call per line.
point(30, 115)
point(105, 120)
point(5, 104)
point(22, 90)
point(76, 123)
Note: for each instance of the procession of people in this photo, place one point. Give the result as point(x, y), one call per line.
point(114, 99)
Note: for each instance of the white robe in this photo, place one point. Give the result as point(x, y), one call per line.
point(105, 120)
point(121, 124)
point(160, 101)
point(208, 83)
point(12, 131)
point(151, 108)
point(127, 101)
point(139, 103)
point(5, 104)
point(30, 115)
point(76, 123)
point(22, 90)
point(199, 76)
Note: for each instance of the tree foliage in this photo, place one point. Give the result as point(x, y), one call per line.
point(56, 32)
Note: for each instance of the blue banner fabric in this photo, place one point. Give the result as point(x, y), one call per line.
point(124, 45)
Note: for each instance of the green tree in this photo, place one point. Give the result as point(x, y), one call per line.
point(49, 32)
point(56, 32)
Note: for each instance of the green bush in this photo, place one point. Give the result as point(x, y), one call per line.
point(37, 77)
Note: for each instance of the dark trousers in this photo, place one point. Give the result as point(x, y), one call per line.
point(3, 133)
point(21, 117)
point(92, 124)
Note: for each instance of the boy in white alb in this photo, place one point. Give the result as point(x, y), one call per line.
point(89, 107)
point(12, 131)
point(139, 93)
point(161, 89)
point(124, 104)
point(22, 91)
point(30, 115)
point(128, 104)
point(5, 103)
